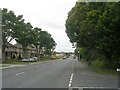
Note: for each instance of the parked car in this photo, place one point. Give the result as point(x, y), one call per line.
point(35, 58)
point(29, 60)
point(64, 57)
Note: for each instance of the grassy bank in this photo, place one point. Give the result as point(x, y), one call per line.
point(100, 66)
point(46, 58)
point(11, 61)
point(4, 65)
point(103, 70)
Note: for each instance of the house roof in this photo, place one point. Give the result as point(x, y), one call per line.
point(18, 45)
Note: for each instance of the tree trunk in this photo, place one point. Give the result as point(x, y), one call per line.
point(3, 54)
point(38, 54)
point(3, 48)
point(25, 55)
point(108, 56)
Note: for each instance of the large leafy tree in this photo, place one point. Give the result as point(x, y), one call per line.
point(46, 41)
point(14, 27)
point(9, 20)
point(23, 35)
point(43, 41)
point(35, 40)
point(95, 26)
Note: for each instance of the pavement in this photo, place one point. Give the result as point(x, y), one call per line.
point(56, 74)
point(6, 66)
point(85, 77)
point(11, 66)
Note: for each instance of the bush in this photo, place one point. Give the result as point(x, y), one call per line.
point(99, 63)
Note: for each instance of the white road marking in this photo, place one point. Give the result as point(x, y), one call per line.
point(69, 85)
point(101, 88)
point(71, 79)
point(70, 82)
point(20, 73)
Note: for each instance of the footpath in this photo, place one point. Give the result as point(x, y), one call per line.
point(85, 77)
point(6, 66)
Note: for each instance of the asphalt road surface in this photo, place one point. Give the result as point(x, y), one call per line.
point(56, 74)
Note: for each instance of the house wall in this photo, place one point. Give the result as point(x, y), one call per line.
point(13, 52)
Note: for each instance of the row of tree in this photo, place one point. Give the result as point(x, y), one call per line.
point(14, 27)
point(94, 27)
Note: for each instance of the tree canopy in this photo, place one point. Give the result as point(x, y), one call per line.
point(95, 26)
point(14, 27)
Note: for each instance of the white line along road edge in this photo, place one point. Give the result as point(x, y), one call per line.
point(20, 73)
point(70, 82)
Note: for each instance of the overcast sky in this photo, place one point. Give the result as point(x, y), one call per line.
point(50, 15)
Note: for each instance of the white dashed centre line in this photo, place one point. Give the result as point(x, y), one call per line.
point(70, 82)
point(20, 73)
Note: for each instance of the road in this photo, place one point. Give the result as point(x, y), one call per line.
point(56, 74)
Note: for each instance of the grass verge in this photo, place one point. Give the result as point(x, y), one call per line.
point(103, 70)
point(4, 65)
point(15, 62)
point(100, 66)
point(20, 62)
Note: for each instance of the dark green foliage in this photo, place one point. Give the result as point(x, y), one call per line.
point(14, 27)
point(43, 41)
point(9, 21)
point(94, 26)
